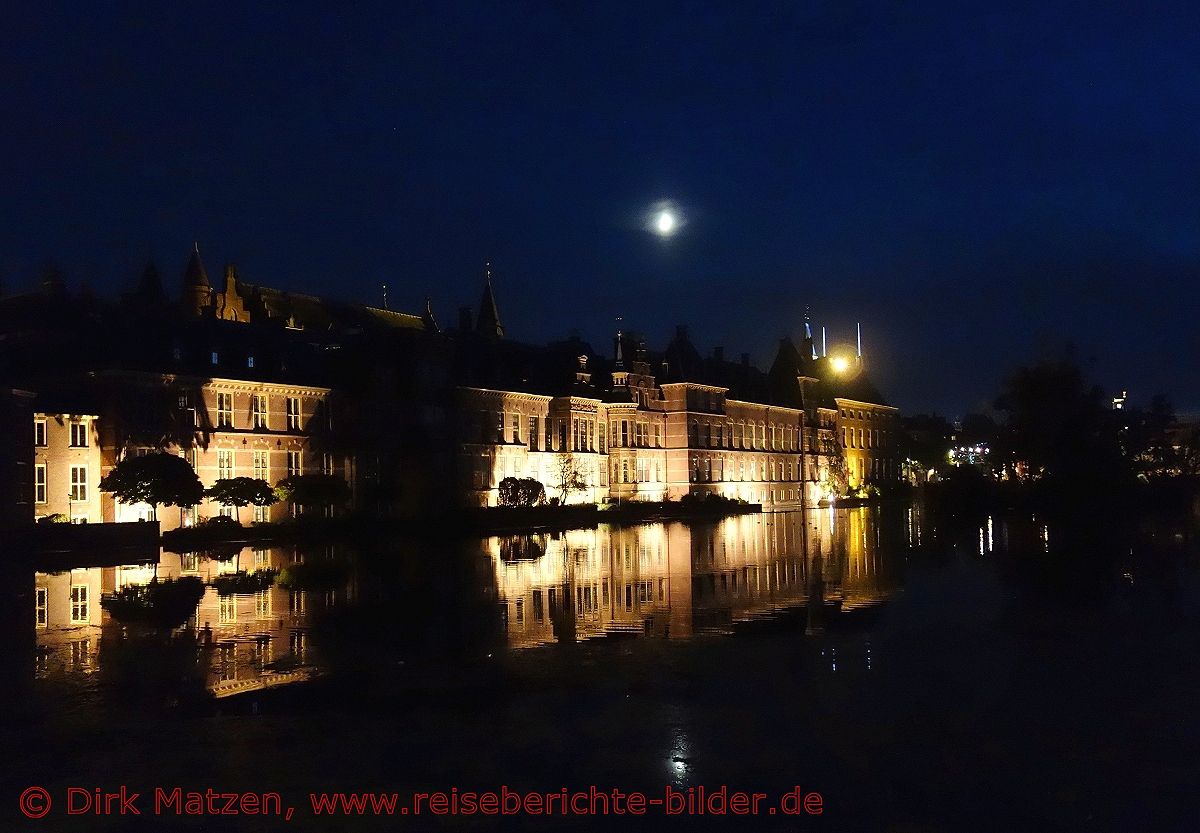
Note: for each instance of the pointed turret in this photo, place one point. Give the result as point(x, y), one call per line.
point(488, 321)
point(427, 317)
point(197, 291)
point(620, 376)
point(810, 346)
point(149, 288)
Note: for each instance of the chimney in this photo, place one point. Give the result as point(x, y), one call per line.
point(464, 319)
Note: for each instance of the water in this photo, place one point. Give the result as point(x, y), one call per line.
point(922, 674)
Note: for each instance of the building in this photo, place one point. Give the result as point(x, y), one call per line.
point(248, 380)
point(66, 467)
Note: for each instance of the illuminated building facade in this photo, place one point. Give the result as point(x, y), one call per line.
point(246, 380)
point(66, 467)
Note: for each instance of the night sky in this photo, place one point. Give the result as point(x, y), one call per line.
point(976, 187)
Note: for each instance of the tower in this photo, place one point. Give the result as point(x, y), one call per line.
point(488, 323)
point(197, 291)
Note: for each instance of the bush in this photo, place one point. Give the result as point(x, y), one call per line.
point(521, 491)
point(56, 518)
point(314, 575)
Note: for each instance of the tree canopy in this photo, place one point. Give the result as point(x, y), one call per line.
point(314, 490)
point(158, 479)
point(242, 491)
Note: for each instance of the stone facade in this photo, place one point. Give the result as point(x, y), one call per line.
point(67, 467)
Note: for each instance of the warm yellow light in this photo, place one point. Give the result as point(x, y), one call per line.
point(840, 364)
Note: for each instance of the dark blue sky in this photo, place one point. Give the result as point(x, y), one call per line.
point(976, 185)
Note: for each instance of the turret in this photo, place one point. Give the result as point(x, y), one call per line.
point(197, 291)
point(488, 323)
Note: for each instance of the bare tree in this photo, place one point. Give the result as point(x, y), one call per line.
point(568, 477)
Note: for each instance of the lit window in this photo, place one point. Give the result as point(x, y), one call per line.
point(224, 464)
point(226, 609)
point(39, 483)
point(216, 358)
point(224, 410)
point(250, 362)
point(79, 604)
point(293, 413)
point(258, 404)
point(293, 463)
point(79, 483)
point(261, 467)
point(79, 434)
point(39, 433)
point(41, 607)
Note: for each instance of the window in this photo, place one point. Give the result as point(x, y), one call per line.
point(533, 433)
point(499, 426)
point(516, 428)
point(258, 405)
point(41, 602)
point(293, 413)
point(326, 464)
point(189, 562)
point(39, 433)
point(224, 464)
point(39, 483)
point(227, 512)
point(79, 483)
point(79, 604)
point(261, 465)
point(262, 604)
point(250, 362)
point(226, 609)
point(293, 463)
point(216, 357)
point(79, 435)
point(224, 410)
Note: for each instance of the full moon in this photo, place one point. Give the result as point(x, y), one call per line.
point(664, 223)
point(664, 219)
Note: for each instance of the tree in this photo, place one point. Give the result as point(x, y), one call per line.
point(521, 491)
point(242, 491)
point(837, 474)
point(160, 478)
point(314, 490)
point(568, 478)
point(1057, 426)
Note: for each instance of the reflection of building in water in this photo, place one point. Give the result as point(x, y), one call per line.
point(250, 640)
point(675, 580)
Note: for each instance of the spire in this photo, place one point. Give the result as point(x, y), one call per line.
point(488, 322)
point(810, 347)
point(197, 292)
point(149, 288)
point(194, 275)
point(427, 316)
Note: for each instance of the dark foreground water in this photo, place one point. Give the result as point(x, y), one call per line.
point(1009, 675)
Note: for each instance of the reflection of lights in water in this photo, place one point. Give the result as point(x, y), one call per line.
point(1046, 537)
point(981, 535)
point(868, 656)
point(677, 761)
point(991, 546)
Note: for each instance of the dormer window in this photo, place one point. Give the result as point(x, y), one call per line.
point(250, 362)
point(216, 357)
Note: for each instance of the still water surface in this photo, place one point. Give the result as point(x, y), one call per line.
point(987, 675)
